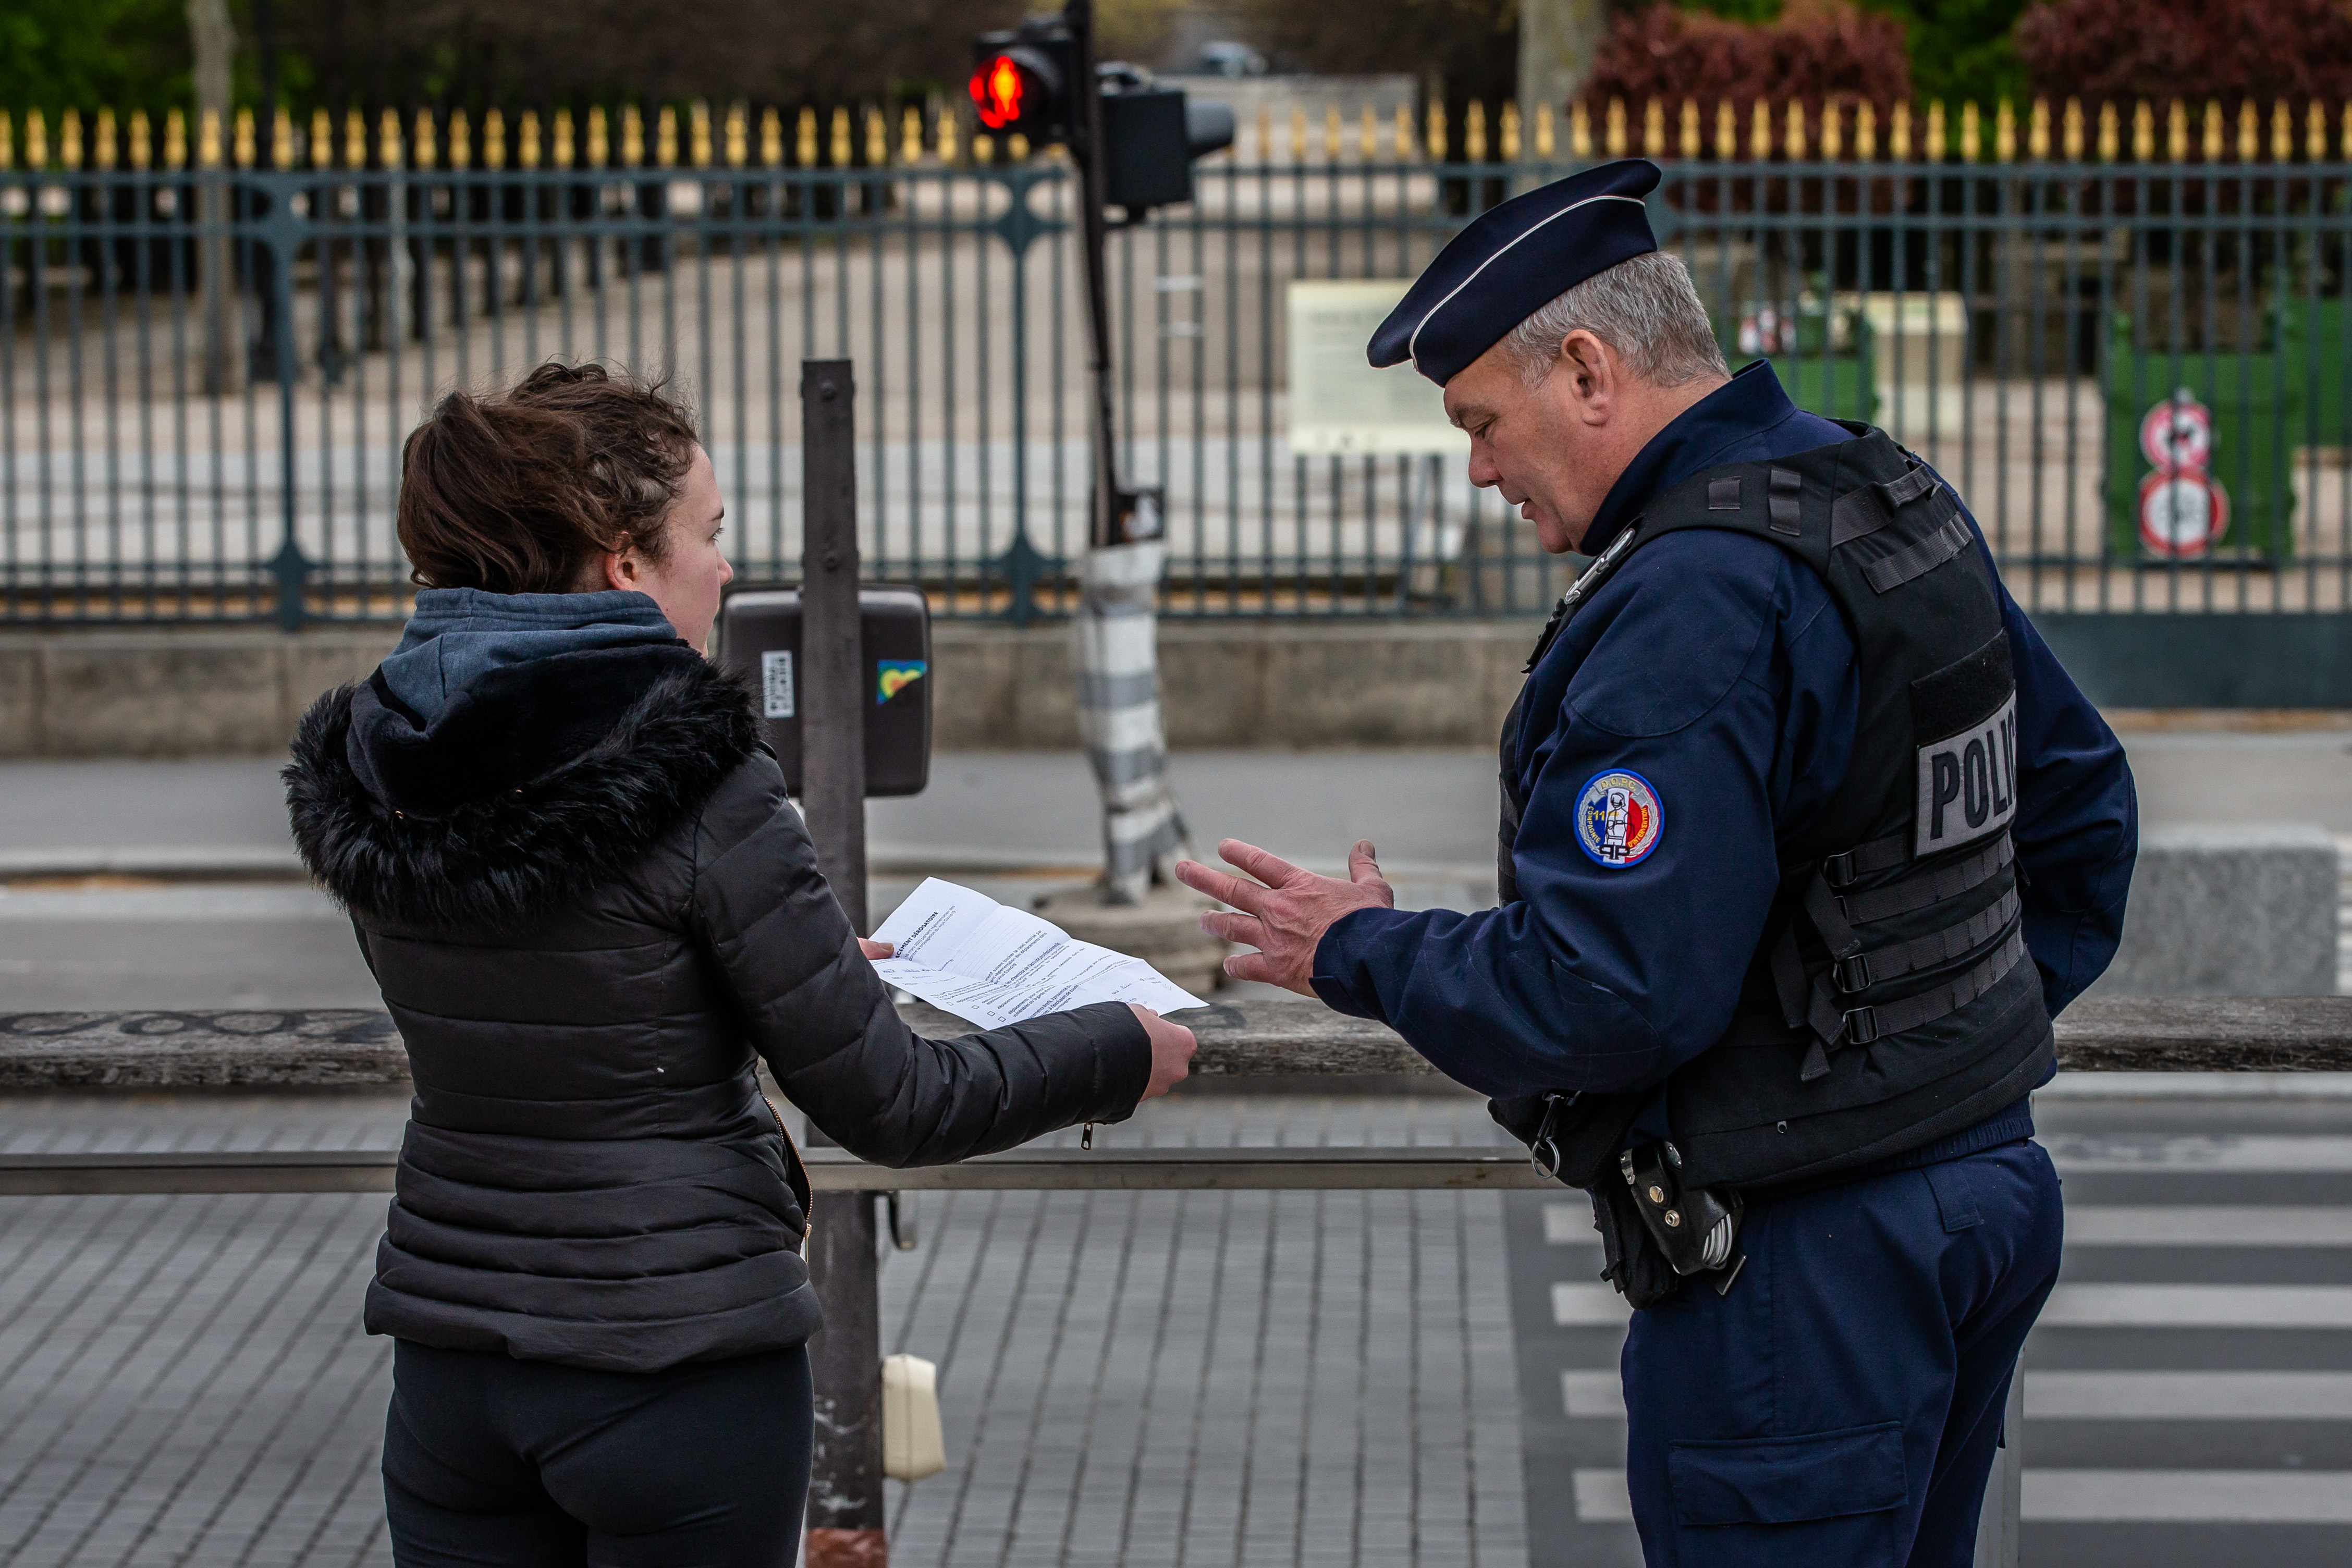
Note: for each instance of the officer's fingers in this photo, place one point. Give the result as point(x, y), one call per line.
point(1255, 967)
point(1271, 869)
point(1363, 862)
point(1233, 928)
point(1219, 885)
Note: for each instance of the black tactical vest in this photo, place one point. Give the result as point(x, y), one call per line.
point(1891, 1002)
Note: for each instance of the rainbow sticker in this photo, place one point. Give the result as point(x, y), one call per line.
point(1618, 818)
point(893, 676)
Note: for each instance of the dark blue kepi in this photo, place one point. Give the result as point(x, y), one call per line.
point(1515, 260)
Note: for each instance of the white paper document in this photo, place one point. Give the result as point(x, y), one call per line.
point(966, 953)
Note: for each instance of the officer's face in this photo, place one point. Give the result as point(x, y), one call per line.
point(1552, 449)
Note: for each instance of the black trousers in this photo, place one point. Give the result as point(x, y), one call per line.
point(494, 1463)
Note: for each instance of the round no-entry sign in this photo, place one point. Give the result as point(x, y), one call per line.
point(2181, 514)
point(2178, 435)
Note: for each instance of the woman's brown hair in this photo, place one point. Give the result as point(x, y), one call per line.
point(525, 493)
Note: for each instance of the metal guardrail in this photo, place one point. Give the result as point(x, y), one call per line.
point(2140, 373)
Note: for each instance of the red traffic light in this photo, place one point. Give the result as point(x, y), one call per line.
point(1000, 88)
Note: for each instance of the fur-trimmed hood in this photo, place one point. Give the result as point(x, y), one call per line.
point(533, 785)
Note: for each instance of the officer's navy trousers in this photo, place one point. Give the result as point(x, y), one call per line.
point(1841, 1405)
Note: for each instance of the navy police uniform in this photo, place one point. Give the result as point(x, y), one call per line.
point(1836, 1397)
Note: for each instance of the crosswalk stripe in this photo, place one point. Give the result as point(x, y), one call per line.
point(1594, 1395)
point(1575, 1306)
point(2264, 1151)
point(2198, 1306)
point(2115, 1497)
point(2111, 1224)
point(2187, 1497)
point(2235, 1225)
point(2188, 1395)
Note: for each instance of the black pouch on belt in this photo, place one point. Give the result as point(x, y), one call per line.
point(1572, 1138)
point(1695, 1228)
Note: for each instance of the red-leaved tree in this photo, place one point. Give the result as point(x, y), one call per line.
point(2193, 49)
point(1816, 50)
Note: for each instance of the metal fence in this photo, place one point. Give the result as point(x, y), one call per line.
point(2130, 353)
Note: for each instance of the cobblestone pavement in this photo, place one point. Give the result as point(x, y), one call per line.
point(1171, 1378)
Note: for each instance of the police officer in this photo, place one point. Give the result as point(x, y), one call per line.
point(1806, 837)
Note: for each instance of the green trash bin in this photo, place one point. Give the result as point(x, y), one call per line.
point(2230, 421)
point(1824, 359)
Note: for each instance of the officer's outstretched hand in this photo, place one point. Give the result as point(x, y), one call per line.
point(1286, 911)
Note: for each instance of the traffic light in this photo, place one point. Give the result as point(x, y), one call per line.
point(1021, 83)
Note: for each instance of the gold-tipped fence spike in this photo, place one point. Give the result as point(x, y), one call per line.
point(1833, 131)
point(2144, 133)
point(1293, 145)
point(910, 136)
point(494, 140)
point(2073, 131)
point(7, 142)
point(1687, 141)
point(69, 138)
point(633, 136)
point(2176, 132)
point(1434, 139)
point(804, 138)
point(104, 134)
point(281, 139)
point(1726, 131)
point(2037, 134)
point(2250, 136)
point(947, 137)
point(1969, 129)
point(1653, 129)
point(142, 149)
point(1759, 133)
point(1579, 133)
point(878, 139)
point(1404, 147)
point(2315, 133)
point(176, 139)
point(1367, 135)
point(1511, 131)
point(2282, 133)
point(1546, 147)
point(698, 119)
point(322, 139)
point(1866, 131)
point(36, 140)
point(600, 138)
point(839, 138)
point(566, 147)
point(2211, 145)
point(1016, 148)
point(1794, 139)
point(1898, 134)
point(247, 140)
point(1330, 133)
point(1614, 128)
point(1940, 145)
point(2004, 133)
point(2346, 144)
point(2110, 133)
point(666, 137)
point(527, 139)
point(1474, 132)
point(771, 138)
point(387, 139)
point(461, 142)
point(739, 135)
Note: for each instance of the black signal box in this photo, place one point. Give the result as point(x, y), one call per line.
point(760, 635)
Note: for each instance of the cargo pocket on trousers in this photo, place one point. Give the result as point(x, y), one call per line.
point(1827, 1498)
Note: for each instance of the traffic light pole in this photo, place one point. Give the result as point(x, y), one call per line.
point(1086, 149)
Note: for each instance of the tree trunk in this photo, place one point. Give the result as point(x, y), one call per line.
point(213, 39)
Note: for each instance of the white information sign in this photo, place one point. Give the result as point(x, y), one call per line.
point(965, 954)
point(1338, 403)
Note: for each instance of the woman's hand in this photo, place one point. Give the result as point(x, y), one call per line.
point(875, 949)
point(1173, 1045)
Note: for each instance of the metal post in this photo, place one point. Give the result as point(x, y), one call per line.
point(1997, 1523)
point(844, 1507)
point(1087, 151)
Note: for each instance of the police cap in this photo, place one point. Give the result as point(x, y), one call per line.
point(1513, 260)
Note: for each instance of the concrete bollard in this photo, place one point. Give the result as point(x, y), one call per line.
point(2229, 910)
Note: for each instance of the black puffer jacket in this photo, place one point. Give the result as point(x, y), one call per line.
point(587, 903)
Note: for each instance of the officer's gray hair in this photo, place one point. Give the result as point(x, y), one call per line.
point(1646, 309)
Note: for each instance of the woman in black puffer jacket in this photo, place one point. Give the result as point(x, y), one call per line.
point(573, 871)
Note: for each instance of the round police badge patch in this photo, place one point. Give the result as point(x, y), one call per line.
point(1618, 819)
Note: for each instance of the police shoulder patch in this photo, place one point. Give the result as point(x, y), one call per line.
point(1618, 818)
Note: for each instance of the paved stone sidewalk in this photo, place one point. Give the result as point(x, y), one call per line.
point(1158, 1378)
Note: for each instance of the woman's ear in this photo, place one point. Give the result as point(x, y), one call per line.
point(621, 569)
